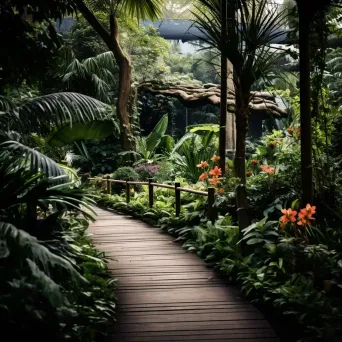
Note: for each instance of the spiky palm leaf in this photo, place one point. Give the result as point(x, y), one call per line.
point(249, 49)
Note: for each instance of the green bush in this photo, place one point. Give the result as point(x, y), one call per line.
point(125, 173)
point(166, 172)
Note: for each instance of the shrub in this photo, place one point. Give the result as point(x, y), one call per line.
point(125, 173)
point(147, 171)
point(166, 172)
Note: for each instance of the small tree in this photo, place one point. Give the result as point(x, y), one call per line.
point(136, 8)
point(252, 26)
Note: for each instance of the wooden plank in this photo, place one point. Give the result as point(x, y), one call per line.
point(166, 294)
point(192, 317)
point(194, 327)
point(218, 335)
point(184, 307)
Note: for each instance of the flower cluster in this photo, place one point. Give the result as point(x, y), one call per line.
point(148, 168)
point(291, 131)
point(213, 175)
point(304, 216)
point(272, 144)
point(268, 169)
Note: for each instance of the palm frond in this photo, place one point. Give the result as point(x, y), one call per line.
point(57, 109)
point(63, 197)
point(33, 159)
point(142, 9)
point(97, 73)
point(6, 104)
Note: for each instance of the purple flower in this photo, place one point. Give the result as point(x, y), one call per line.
point(149, 168)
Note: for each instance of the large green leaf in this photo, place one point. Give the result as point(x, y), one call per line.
point(17, 243)
point(154, 138)
point(204, 127)
point(182, 140)
point(167, 143)
point(68, 134)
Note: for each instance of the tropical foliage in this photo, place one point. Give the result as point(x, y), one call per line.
point(69, 108)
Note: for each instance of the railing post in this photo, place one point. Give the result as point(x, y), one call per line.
point(211, 209)
point(150, 192)
point(178, 199)
point(105, 184)
point(128, 194)
point(108, 186)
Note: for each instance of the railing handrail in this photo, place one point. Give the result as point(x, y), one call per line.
point(176, 187)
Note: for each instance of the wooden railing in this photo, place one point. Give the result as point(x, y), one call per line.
point(176, 187)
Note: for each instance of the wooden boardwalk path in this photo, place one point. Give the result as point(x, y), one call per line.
point(167, 294)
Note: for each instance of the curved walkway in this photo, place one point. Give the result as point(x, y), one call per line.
point(167, 294)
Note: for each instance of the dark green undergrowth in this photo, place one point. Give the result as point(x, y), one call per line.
point(57, 287)
point(298, 280)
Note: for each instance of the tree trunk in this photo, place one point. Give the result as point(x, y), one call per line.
point(305, 106)
point(111, 39)
point(125, 84)
point(241, 115)
point(224, 87)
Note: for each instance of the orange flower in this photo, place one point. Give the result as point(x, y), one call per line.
point(249, 173)
point(268, 169)
point(221, 191)
point(214, 181)
point(298, 131)
point(309, 210)
point(306, 213)
point(272, 144)
point(290, 130)
point(203, 164)
point(203, 176)
point(216, 171)
point(254, 162)
point(289, 215)
point(215, 158)
point(303, 221)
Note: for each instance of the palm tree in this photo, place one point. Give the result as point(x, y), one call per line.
point(94, 76)
point(136, 8)
point(252, 26)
